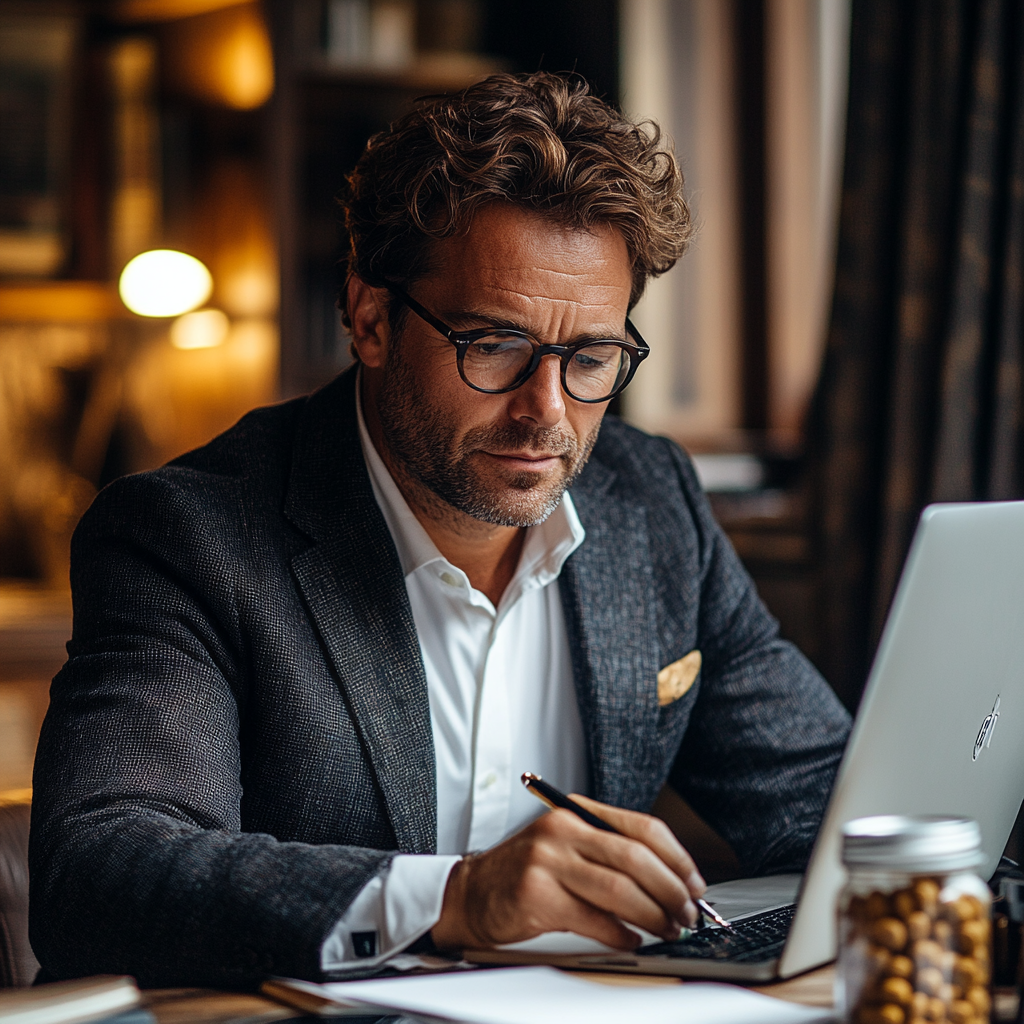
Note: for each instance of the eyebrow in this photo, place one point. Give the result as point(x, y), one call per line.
point(460, 320)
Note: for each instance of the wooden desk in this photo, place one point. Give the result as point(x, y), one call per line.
point(811, 989)
point(206, 1006)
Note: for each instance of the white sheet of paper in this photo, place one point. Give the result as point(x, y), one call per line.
point(542, 995)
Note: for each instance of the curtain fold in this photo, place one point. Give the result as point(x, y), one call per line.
point(920, 396)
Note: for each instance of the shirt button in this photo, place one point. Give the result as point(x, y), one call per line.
point(447, 577)
point(489, 780)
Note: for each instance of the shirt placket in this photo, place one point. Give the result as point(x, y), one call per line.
point(492, 759)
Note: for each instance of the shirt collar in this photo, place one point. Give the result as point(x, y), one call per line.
point(547, 545)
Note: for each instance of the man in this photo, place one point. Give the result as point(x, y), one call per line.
point(311, 659)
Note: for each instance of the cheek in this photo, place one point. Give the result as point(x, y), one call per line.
point(428, 374)
point(448, 380)
point(439, 379)
point(452, 407)
point(585, 420)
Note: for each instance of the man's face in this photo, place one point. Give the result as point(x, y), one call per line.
point(504, 459)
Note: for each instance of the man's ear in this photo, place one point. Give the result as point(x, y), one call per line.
point(368, 311)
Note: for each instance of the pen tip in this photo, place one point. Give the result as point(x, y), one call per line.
point(527, 777)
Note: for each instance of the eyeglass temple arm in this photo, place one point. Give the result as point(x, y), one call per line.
point(421, 311)
point(641, 344)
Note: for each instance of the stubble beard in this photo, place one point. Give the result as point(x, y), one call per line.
point(421, 438)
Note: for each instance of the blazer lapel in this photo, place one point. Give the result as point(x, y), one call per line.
point(607, 588)
point(355, 591)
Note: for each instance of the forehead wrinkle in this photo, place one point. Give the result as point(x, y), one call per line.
point(547, 325)
point(555, 272)
point(507, 301)
point(570, 265)
point(580, 301)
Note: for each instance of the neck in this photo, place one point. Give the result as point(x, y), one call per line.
point(486, 553)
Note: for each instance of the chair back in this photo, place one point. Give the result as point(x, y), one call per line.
point(18, 965)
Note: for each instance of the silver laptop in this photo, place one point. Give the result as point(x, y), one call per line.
point(940, 730)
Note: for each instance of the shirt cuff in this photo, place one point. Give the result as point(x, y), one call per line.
point(390, 913)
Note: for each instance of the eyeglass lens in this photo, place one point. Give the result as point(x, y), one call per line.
point(497, 361)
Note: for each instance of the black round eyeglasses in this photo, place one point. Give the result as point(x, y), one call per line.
point(498, 359)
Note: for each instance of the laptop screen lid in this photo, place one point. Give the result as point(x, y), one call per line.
point(940, 729)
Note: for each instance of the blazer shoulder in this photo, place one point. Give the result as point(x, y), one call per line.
point(644, 464)
point(657, 475)
point(246, 465)
point(250, 446)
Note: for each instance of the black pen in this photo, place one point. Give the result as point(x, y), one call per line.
point(554, 798)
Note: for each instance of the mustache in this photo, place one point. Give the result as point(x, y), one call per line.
point(519, 437)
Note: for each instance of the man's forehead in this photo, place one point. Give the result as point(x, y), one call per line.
point(522, 251)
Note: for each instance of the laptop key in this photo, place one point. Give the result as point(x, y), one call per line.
point(753, 939)
point(765, 953)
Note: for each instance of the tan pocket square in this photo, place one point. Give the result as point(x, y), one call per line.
point(675, 679)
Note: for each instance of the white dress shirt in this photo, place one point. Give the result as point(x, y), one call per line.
point(502, 701)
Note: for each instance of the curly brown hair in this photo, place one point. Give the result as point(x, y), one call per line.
point(540, 141)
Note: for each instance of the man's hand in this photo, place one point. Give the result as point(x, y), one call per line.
point(561, 874)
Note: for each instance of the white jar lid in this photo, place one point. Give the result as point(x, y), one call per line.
point(912, 843)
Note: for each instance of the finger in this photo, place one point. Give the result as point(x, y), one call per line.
point(613, 891)
point(646, 872)
point(584, 919)
point(654, 833)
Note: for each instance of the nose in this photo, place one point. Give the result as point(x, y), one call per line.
point(541, 399)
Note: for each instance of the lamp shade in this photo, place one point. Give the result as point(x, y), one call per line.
point(164, 282)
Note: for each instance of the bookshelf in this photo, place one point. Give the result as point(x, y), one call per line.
point(319, 121)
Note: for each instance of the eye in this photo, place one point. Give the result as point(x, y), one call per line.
point(587, 360)
point(500, 345)
point(597, 357)
point(494, 345)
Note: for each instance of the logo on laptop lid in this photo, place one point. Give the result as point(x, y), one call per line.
point(988, 727)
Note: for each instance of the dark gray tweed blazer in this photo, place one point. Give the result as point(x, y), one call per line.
point(241, 737)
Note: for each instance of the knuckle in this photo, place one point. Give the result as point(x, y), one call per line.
point(646, 825)
point(557, 822)
point(532, 886)
point(566, 821)
point(619, 888)
point(536, 857)
point(543, 825)
point(635, 858)
point(544, 857)
point(655, 832)
point(661, 831)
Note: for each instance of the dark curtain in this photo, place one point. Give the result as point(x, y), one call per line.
point(920, 397)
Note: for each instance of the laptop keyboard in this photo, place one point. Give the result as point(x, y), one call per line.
point(752, 940)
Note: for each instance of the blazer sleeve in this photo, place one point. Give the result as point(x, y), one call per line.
point(139, 864)
point(767, 733)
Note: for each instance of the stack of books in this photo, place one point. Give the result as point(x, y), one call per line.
point(74, 1002)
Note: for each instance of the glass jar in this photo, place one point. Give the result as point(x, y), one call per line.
point(915, 936)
